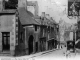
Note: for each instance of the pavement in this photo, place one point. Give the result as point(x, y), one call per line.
point(27, 56)
point(40, 53)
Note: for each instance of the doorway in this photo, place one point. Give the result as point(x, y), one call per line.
point(5, 41)
point(30, 44)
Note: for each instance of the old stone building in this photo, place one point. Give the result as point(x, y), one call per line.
point(17, 33)
point(49, 31)
point(24, 33)
point(9, 25)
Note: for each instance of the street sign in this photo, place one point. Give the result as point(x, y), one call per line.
point(73, 8)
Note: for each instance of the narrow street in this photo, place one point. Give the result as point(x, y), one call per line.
point(39, 29)
point(56, 55)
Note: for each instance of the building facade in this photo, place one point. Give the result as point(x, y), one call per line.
point(23, 34)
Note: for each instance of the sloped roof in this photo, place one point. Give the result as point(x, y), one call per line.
point(30, 13)
point(25, 17)
point(46, 21)
point(37, 18)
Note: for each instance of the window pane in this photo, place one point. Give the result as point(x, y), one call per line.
point(16, 19)
point(16, 36)
point(16, 25)
point(4, 34)
point(16, 31)
point(8, 40)
point(4, 40)
point(35, 28)
point(8, 34)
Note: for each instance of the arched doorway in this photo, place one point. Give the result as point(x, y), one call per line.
point(30, 44)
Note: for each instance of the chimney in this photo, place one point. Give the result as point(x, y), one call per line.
point(36, 8)
point(22, 3)
point(48, 16)
point(35, 5)
point(43, 15)
point(51, 18)
point(42, 18)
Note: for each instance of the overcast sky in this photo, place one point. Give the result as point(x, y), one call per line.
point(55, 8)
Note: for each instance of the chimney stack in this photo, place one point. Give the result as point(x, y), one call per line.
point(35, 5)
point(48, 16)
point(22, 3)
point(43, 15)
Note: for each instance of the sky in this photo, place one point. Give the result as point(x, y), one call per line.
point(55, 8)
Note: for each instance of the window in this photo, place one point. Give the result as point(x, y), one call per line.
point(16, 36)
point(35, 28)
point(16, 31)
point(5, 34)
point(16, 25)
point(43, 32)
point(5, 41)
point(16, 20)
point(21, 37)
point(6, 38)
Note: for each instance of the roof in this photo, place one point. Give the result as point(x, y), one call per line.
point(30, 13)
point(46, 22)
point(38, 20)
point(25, 17)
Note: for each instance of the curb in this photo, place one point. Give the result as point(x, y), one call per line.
point(42, 53)
point(49, 51)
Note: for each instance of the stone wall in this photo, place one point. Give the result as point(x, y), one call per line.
point(8, 25)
